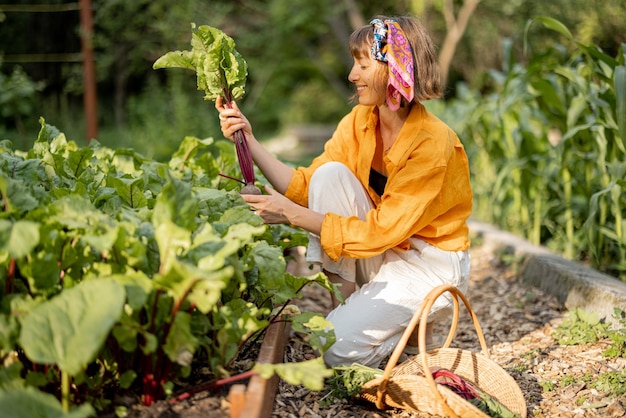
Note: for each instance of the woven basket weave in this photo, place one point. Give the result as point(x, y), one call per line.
point(406, 386)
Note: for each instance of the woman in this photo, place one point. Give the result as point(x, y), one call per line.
point(386, 203)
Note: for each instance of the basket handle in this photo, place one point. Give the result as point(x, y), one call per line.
point(421, 316)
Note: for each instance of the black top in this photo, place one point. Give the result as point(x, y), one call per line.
point(377, 182)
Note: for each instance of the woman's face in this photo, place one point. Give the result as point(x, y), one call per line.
point(366, 77)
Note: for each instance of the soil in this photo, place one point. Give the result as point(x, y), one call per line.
point(517, 321)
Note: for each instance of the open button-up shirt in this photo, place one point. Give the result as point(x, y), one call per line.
point(428, 193)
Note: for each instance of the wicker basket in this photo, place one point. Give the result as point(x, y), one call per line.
point(406, 386)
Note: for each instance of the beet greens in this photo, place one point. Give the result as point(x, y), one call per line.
point(220, 71)
point(121, 274)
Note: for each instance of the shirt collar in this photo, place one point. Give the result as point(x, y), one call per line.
point(412, 125)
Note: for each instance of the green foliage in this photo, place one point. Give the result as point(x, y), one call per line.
point(617, 348)
point(220, 69)
point(137, 270)
point(491, 407)
point(613, 383)
point(78, 319)
point(309, 373)
point(347, 381)
point(17, 95)
point(31, 403)
point(584, 328)
point(547, 140)
point(547, 385)
point(581, 327)
point(322, 336)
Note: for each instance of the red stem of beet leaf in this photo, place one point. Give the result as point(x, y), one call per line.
point(241, 146)
point(8, 284)
point(213, 385)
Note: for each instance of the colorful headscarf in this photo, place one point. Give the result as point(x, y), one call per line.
point(391, 46)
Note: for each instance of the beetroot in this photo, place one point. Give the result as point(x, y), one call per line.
point(250, 189)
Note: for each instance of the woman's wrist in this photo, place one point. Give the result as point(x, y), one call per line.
point(252, 143)
point(305, 218)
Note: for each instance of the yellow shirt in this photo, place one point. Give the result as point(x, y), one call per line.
point(428, 193)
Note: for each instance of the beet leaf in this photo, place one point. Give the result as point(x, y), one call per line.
point(220, 71)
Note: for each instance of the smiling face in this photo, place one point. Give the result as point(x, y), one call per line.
point(369, 77)
point(426, 70)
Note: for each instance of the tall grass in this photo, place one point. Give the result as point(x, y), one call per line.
point(547, 149)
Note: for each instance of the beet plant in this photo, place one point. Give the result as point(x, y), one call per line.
point(120, 274)
point(220, 71)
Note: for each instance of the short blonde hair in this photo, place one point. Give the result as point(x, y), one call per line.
point(426, 70)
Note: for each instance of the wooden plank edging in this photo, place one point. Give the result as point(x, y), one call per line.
point(258, 399)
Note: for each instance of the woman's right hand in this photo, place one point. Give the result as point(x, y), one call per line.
point(231, 119)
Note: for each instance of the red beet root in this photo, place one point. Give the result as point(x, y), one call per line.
point(250, 189)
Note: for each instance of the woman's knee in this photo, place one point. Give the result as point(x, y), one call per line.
point(327, 174)
point(334, 188)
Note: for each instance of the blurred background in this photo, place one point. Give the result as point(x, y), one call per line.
point(295, 49)
point(540, 106)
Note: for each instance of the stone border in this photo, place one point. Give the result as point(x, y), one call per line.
point(573, 284)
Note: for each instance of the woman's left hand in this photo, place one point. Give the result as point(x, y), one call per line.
point(275, 208)
point(272, 207)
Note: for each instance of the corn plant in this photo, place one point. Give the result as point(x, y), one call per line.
point(547, 148)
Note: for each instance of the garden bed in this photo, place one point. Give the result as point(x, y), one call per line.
point(251, 397)
point(518, 322)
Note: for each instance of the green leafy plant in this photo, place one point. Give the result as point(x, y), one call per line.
point(310, 373)
point(346, 381)
point(581, 327)
point(613, 383)
point(547, 385)
point(220, 71)
point(617, 336)
point(118, 272)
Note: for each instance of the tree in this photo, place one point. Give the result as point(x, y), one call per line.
point(455, 28)
point(130, 35)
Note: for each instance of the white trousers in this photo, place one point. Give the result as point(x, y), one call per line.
point(390, 287)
